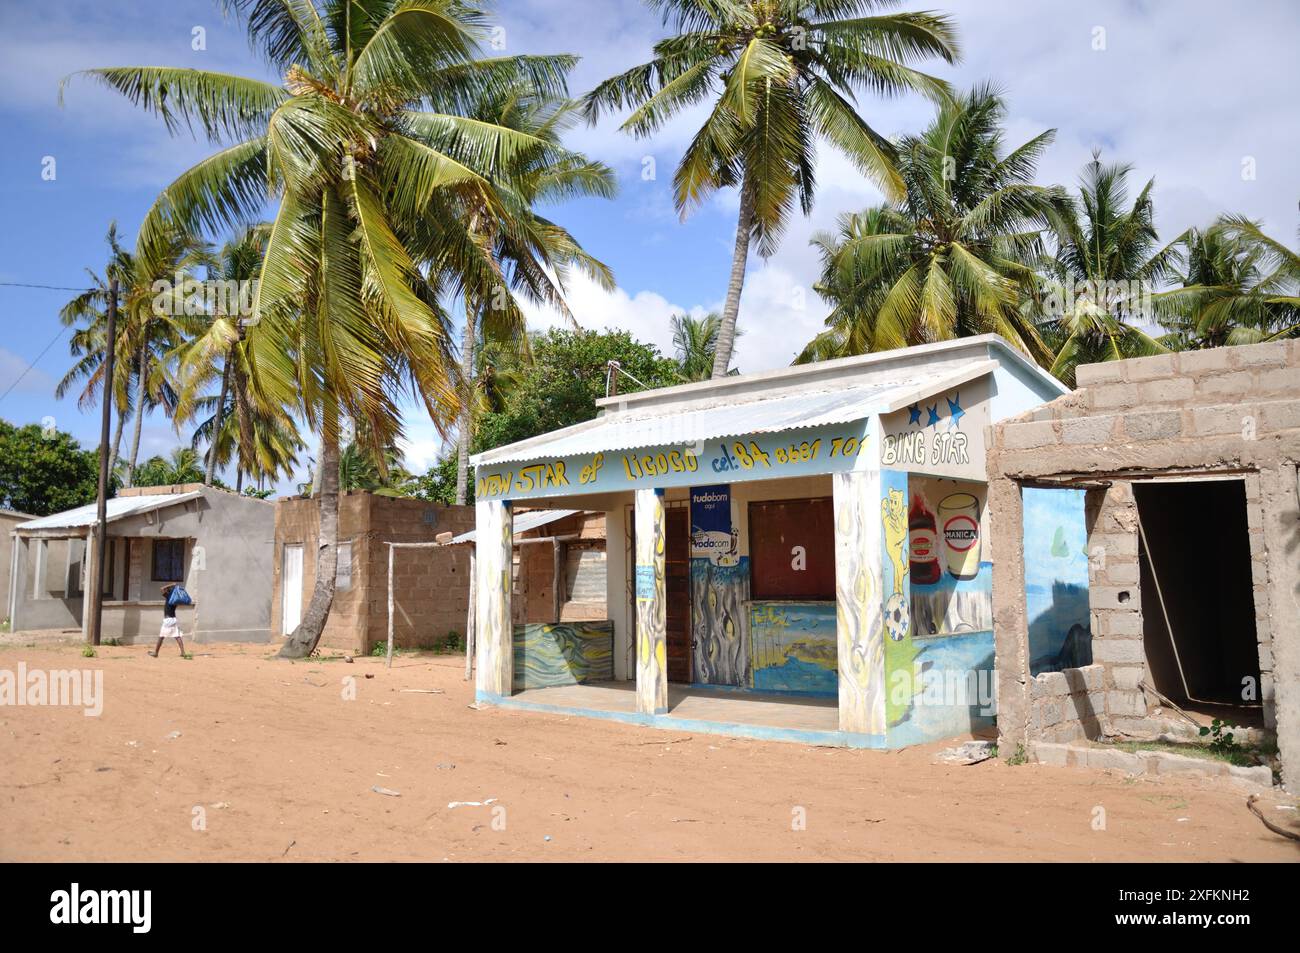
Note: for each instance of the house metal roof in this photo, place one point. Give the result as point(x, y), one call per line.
point(524, 522)
point(117, 508)
point(762, 411)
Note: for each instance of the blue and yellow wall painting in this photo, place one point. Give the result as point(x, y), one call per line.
point(719, 590)
point(1056, 579)
point(938, 608)
point(830, 449)
point(793, 648)
point(569, 653)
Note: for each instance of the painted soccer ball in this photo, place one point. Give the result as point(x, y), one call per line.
point(897, 617)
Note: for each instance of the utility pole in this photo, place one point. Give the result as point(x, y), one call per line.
point(95, 604)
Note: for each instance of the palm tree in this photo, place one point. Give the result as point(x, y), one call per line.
point(497, 255)
point(151, 307)
point(781, 73)
point(87, 313)
point(182, 466)
point(953, 257)
point(1239, 287)
point(158, 298)
point(360, 469)
point(262, 441)
point(695, 340)
point(1108, 260)
point(356, 143)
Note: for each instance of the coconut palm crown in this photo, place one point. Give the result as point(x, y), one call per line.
point(780, 74)
point(954, 256)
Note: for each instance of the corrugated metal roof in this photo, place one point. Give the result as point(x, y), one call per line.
point(524, 522)
point(117, 508)
point(686, 423)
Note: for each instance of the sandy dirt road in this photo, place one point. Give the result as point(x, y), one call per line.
point(282, 767)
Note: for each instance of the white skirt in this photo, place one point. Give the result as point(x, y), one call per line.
point(170, 629)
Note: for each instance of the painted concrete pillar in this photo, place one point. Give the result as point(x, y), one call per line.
point(617, 572)
point(493, 631)
point(16, 551)
point(651, 604)
point(859, 618)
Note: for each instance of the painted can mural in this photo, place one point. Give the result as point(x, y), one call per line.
point(939, 654)
point(1056, 579)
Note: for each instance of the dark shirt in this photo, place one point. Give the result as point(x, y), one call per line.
point(169, 609)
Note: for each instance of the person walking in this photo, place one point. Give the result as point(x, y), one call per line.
point(171, 629)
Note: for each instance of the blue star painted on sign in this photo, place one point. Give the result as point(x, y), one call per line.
point(913, 415)
point(955, 413)
point(934, 416)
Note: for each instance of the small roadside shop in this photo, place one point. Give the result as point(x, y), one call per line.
point(798, 554)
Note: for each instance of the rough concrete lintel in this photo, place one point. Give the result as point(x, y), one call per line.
point(1133, 461)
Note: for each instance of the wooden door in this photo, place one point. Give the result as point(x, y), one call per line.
point(677, 559)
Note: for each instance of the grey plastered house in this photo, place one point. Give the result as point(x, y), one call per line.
point(215, 542)
point(1184, 467)
point(8, 520)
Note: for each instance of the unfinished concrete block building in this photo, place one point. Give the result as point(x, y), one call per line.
point(1184, 468)
point(432, 583)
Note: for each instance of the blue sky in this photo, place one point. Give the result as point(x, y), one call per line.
point(1187, 91)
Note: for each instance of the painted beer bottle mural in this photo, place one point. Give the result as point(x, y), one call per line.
point(959, 515)
point(923, 542)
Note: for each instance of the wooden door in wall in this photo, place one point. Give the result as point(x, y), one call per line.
point(677, 560)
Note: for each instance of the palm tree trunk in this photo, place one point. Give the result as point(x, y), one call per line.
point(302, 642)
point(117, 443)
point(727, 331)
point(316, 472)
point(239, 479)
point(466, 414)
point(142, 374)
point(216, 422)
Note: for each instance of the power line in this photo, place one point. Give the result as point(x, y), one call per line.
point(19, 380)
point(22, 284)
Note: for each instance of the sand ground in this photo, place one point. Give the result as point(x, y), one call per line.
point(278, 765)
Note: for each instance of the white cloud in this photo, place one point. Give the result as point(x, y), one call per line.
point(643, 313)
point(421, 445)
point(773, 298)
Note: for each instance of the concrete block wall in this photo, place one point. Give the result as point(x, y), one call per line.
point(1229, 412)
point(432, 584)
point(1242, 393)
point(533, 599)
point(1069, 705)
point(1261, 577)
point(1116, 605)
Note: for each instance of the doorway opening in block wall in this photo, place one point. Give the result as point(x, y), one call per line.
point(1197, 596)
